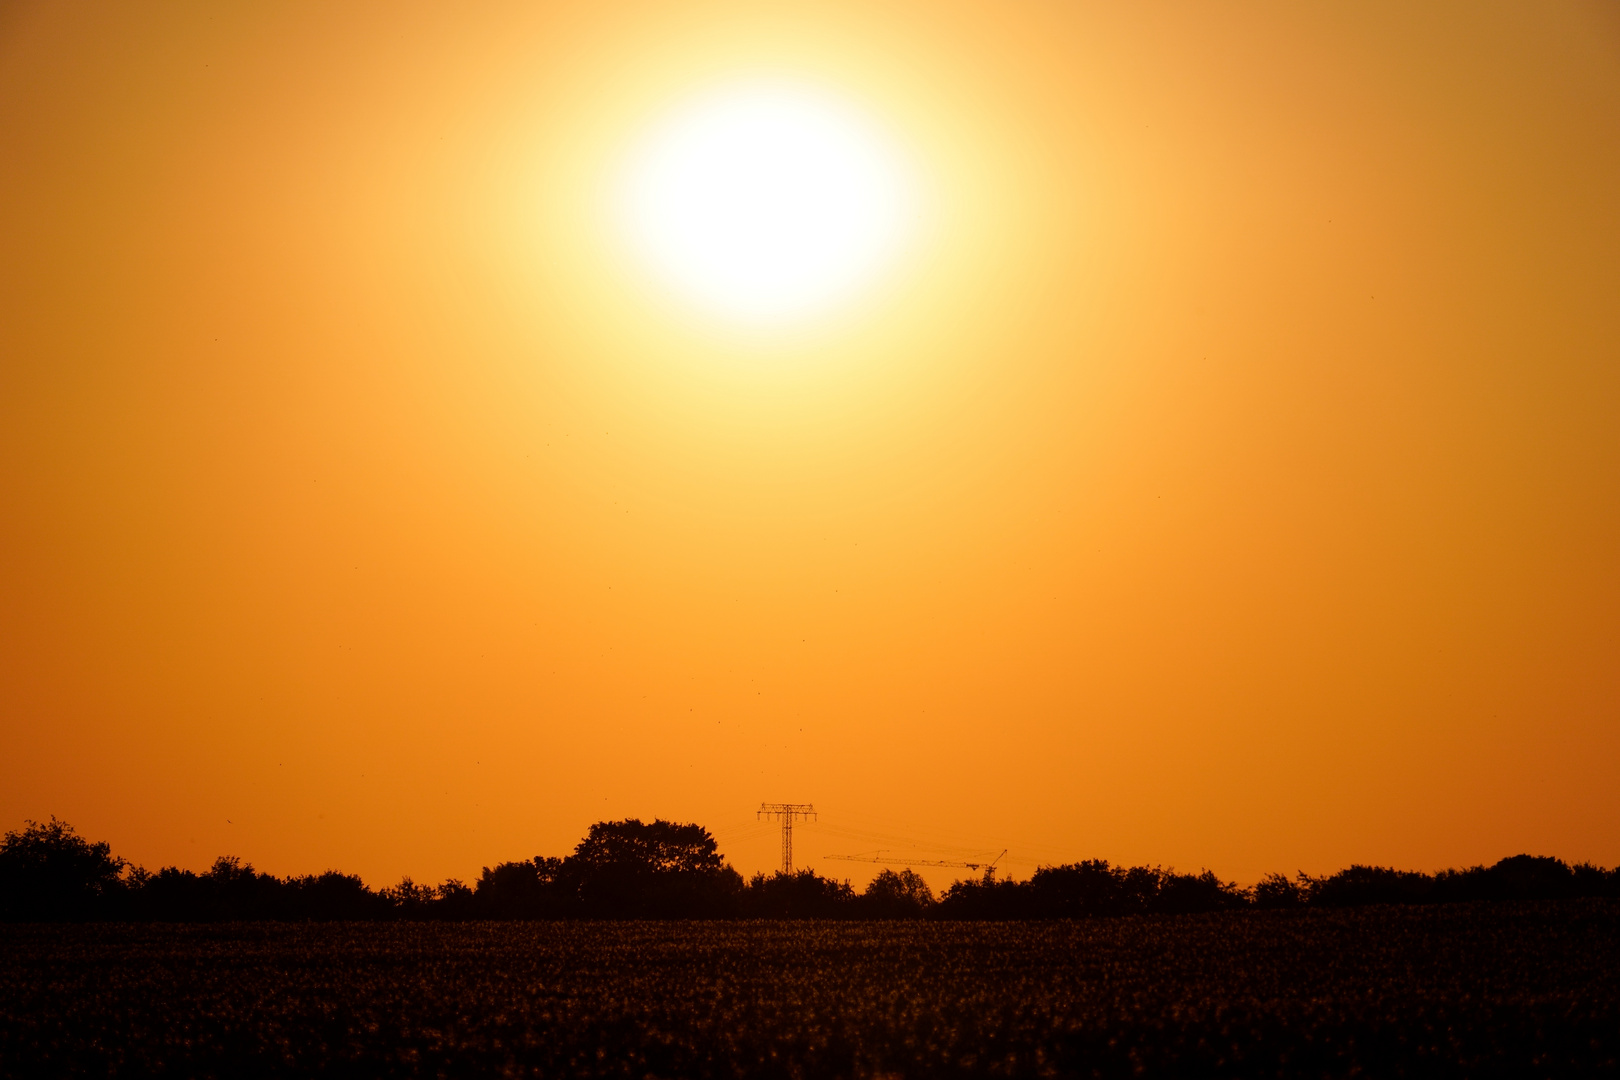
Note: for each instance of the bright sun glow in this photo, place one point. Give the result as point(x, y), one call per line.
point(766, 203)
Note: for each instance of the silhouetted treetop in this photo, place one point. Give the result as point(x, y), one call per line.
point(802, 894)
point(897, 895)
point(662, 847)
point(49, 872)
point(534, 889)
point(660, 870)
point(634, 870)
point(1089, 889)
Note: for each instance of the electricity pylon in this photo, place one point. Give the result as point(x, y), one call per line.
point(788, 812)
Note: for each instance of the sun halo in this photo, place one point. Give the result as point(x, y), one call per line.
point(766, 203)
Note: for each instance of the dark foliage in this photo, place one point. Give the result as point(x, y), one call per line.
point(1520, 877)
point(620, 870)
point(1089, 889)
point(666, 870)
point(891, 895)
point(536, 889)
point(1275, 892)
point(1369, 885)
point(988, 898)
point(1095, 888)
point(631, 870)
point(232, 890)
point(50, 873)
point(801, 895)
point(1488, 990)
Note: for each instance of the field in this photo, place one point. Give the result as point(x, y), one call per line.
point(1458, 990)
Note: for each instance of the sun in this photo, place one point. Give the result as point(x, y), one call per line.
point(766, 203)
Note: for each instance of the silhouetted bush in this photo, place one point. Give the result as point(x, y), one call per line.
point(1361, 885)
point(1186, 894)
point(892, 895)
point(331, 896)
point(49, 873)
point(535, 889)
point(1521, 877)
point(1595, 881)
point(232, 891)
point(986, 899)
point(631, 870)
point(1274, 891)
point(665, 870)
point(454, 902)
point(1091, 889)
point(803, 894)
point(1518, 877)
point(412, 901)
point(1076, 890)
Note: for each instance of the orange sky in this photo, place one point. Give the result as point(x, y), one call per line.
point(1230, 479)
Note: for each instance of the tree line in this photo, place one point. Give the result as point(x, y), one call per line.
point(667, 870)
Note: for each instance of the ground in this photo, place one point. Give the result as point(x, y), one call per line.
point(1459, 990)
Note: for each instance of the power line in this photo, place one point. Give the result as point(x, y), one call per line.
point(881, 857)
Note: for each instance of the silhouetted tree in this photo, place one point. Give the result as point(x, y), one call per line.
point(803, 894)
point(1595, 881)
point(987, 898)
point(1361, 885)
point(1274, 891)
point(229, 890)
point(237, 891)
point(535, 889)
point(454, 901)
point(1090, 889)
point(330, 896)
point(1518, 877)
point(628, 869)
point(1189, 894)
point(1093, 887)
point(891, 895)
point(410, 900)
point(49, 873)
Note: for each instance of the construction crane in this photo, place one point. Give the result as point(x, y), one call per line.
point(989, 868)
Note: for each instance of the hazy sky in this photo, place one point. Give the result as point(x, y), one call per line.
point(1228, 476)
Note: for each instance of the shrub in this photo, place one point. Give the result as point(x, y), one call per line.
point(49, 873)
point(891, 895)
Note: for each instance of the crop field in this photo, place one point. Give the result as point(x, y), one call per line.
point(1530, 989)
